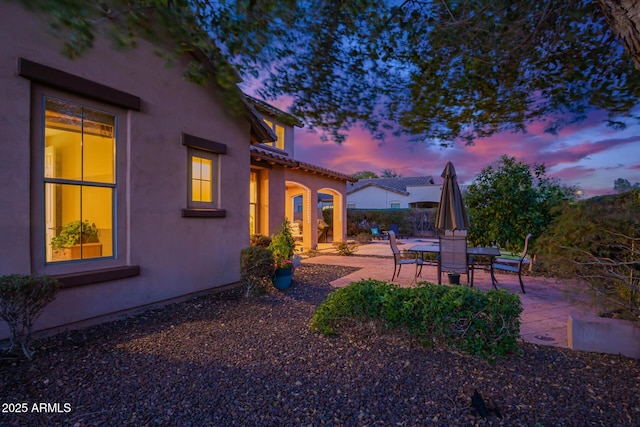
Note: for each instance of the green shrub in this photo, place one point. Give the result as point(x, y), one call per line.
point(22, 298)
point(485, 324)
point(260, 240)
point(363, 220)
point(256, 269)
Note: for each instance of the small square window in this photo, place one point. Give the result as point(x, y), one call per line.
point(203, 180)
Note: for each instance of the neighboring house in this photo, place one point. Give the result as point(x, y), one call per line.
point(394, 193)
point(282, 187)
point(155, 162)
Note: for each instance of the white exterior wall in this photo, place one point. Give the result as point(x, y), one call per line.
point(376, 198)
point(177, 256)
point(430, 193)
point(373, 197)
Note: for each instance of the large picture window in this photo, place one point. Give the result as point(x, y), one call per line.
point(79, 181)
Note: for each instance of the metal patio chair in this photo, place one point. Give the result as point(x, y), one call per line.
point(398, 261)
point(515, 265)
point(453, 257)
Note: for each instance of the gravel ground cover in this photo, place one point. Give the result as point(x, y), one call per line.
point(224, 360)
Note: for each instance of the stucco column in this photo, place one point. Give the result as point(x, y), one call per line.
point(310, 212)
point(339, 218)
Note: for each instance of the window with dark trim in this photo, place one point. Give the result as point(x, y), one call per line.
point(75, 175)
point(203, 177)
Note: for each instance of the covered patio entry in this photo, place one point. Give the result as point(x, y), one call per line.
point(285, 188)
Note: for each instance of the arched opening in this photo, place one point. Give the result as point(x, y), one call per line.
point(298, 212)
point(330, 212)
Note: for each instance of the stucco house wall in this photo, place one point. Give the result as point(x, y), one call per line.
point(282, 179)
point(176, 255)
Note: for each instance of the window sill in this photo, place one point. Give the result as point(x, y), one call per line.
point(204, 213)
point(72, 280)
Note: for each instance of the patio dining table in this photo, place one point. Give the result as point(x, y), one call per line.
point(434, 248)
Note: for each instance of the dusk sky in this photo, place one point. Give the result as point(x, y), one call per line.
point(588, 155)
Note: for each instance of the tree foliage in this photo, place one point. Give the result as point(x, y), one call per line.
point(365, 175)
point(598, 241)
point(508, 200)
point(621, 185)
point(390, 173)
point(435, 70)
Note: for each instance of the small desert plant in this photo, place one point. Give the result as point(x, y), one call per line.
point(22, 299)
point(345, 248)
point(256, 269)
point(480, 323)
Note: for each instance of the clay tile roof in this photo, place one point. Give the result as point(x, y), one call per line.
point(264, 154)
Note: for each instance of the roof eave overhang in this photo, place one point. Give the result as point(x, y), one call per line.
point(259, 155)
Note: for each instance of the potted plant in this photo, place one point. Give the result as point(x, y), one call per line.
point(283, 248)
point(454, 279)
point(66, 245)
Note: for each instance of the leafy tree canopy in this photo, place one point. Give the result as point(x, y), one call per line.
point(365, 175)
point(511, 199)
point(435, 70)
point(390, 173)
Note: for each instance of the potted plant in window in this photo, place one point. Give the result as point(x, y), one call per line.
point(66, 245)
point(283, 248)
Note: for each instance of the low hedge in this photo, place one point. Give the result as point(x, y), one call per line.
point(480, 323)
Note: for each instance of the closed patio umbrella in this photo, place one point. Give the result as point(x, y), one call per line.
point(452, 215)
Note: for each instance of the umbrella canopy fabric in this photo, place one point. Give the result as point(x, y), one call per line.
point(452, 215)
